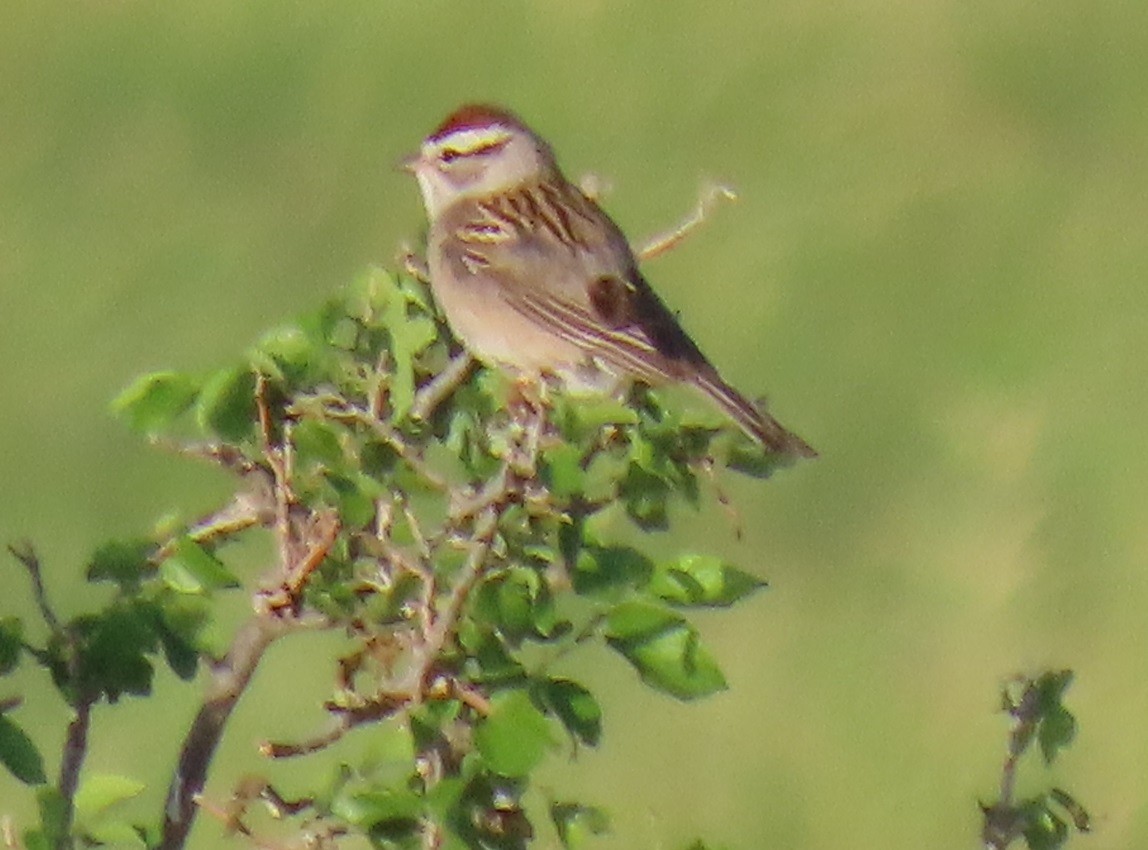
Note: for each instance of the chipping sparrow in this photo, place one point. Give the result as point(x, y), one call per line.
point(535, 278)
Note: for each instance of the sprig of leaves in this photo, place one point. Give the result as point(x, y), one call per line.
point(465, 540)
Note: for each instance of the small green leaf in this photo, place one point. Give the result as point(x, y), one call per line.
point(577, 823)
point(605, 570)
point(53, 812)
point(355, 494)
point(226, 404)
point(665, 650)
point(1057, 730)
point(1057, 726)
point(116, 833)
point(371, 808)
point(562, 470)
point(124, 562)
point(192, 569)
point(515, 736)
point(747, 456)
point(114, 648)
point(582, 416)
point(11, 635)
point(317, 442)
point(1080, 817)
point(575, 707)
point(645, 497)
point(19, 754)
point(702, 580)
point(98, 793)
point(516, 594)
point(288, 353)
point(409, 333)
point(151, 403)
point(1044, 830)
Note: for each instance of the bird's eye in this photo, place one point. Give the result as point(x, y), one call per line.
point(449, 155)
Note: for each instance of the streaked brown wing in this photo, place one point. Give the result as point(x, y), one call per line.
point(638, 336)
point(558, 259)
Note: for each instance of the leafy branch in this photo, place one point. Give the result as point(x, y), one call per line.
point(449, 522)
point(1038, 716)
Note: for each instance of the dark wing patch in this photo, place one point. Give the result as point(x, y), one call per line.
point(612, 300)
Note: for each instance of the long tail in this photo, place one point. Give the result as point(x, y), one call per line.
point(753, 420)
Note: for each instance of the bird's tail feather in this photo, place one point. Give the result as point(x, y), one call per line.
point(752, 419)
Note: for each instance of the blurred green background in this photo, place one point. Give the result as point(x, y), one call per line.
point(936, 271)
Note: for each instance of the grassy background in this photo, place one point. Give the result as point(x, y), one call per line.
point(936, 270)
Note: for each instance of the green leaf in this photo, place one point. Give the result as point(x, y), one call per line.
point(100, 792)
point(1080, 817)
point(581, 416)
point(53, 811)
point(575, 707)
point(19, 754)
point(516, 594)
point(192, 569)
point(604, 571)
point(515, 736)
point(562, 470)
point(151, 403)
point(317, 442)
point(577, 823)
point(1057, 725)
point(702, 580)
point(367, 809)
point(409, 333)
point(114, 649)
point(747, 456)
point(11, 636)
point(1044, 830)
point(645, 497)
point(290, 354)
point(355, 494)
point(226, 404)
point(124, 562)
point(665, 650)
point(1057, 730)
point(117, 833)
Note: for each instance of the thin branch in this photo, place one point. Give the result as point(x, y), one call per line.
point(432, 394)
point(386, 705)
point(71, 763)
point(26, 555)
point(711, 193)
point(335, 408)
point(229, 679)
point(278, 462)
point(447, 620)
point(320, 535)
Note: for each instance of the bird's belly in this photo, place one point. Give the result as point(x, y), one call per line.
point(498, 335)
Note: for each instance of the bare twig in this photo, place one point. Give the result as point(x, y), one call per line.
point(384, 706)
point(710, 194)
point(413, 264)
point(432, 393)
point(447, 619)
point(322, 529)
point(278, 460)
point(229, 679)
point(334, 407)
point(26, 555)
point(72, 761)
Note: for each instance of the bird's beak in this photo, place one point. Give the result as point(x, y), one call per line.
point(409, 163)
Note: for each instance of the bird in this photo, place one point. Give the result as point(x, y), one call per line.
point(533, 277)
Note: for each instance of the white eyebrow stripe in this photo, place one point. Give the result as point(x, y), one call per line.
point(473, 139)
